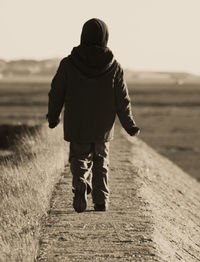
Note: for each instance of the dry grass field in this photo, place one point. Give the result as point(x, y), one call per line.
point(169, 115)
point(28, 170)
point(27, 178)
point(28, 173)
point(23, 102)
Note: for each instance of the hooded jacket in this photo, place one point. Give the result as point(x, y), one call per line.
point(90, 84)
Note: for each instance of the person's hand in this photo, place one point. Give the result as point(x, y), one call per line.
point(54, 124)
point(134, 131)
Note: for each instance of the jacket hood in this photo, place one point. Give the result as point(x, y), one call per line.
point(92, 60)
point(92, 56)
point(94, 32)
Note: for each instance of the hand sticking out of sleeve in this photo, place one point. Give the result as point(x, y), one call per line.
point(54, 123)
point(134, 131)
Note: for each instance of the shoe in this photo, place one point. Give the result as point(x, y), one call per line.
point(100, 207)
point(80, 197)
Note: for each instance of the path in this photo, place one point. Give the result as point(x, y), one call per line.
point(131, 230)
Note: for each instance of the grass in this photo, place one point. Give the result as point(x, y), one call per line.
point(23, 102)
point(169, 118)
point(26, 183)
point(165, 94)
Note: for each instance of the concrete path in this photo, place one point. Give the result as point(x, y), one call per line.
point(134, 228)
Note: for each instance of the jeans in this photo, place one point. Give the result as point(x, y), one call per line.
point(89, 162)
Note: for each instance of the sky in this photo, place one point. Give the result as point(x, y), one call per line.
point(156, 35)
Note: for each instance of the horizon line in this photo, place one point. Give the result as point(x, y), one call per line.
point(127, 68)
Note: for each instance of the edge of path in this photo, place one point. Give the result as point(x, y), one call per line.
point(174, 202)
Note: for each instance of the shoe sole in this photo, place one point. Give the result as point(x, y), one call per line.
point(80, 198)
point(100, 208)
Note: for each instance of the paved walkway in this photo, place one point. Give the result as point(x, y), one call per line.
point(154, 213)
point(123, 233)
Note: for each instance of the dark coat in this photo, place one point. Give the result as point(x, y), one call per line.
point(90, 84)
point(91, 104)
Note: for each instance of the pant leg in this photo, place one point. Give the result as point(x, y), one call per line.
point(100, 192)
point(80, 158)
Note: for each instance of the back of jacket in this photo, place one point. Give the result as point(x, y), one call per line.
point(90, 103)
point(90, 84)
point(90, 107)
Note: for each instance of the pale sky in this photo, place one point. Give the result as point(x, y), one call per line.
point(144, 34)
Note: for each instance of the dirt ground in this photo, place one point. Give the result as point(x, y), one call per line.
point(153, 213)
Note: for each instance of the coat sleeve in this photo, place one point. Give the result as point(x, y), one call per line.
point(57, 94)
point(123, 102)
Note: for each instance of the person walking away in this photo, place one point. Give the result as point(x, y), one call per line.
point(90, 84)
